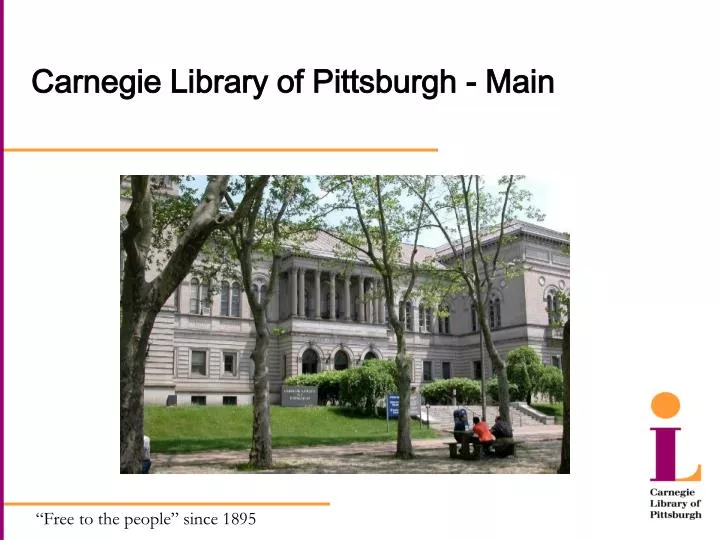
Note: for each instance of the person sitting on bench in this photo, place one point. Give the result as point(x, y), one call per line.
point(482, 430)
point(459, 428)
point(501, 429)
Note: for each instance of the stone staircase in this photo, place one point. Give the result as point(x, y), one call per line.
point(441, 416)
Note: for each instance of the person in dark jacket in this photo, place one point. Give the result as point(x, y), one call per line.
point(460, 424)
point(501, 429)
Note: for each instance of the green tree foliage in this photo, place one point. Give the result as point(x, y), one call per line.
point(474, 221)
point(493, 390)
point(551, 383)
point(440, 392)
point(170, 239)
point(379, 222)
point(525, 369)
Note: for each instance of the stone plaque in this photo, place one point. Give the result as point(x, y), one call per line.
point(299, 396)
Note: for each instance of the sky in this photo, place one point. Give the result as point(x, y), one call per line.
point(548, 196)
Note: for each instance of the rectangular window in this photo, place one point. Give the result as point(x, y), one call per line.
point(444, 322)
point(198, 400)
point(421, 320)
point(225, 299)
point(556, 361)
point(427, 371)
point(408, 317)
point(473, 318)
point(235, 304)
point(477, 370)
point(194, 296)
point(229, 400)
point(198, 363)
point(444, 325)
point(446, 370)
point(205, 298)
point(229, 363)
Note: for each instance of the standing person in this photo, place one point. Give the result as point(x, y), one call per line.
point(146, 455)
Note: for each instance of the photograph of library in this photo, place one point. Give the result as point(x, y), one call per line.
point(297, 270)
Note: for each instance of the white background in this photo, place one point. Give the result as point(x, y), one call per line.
point(629, 140)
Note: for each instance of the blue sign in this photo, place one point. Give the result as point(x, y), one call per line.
point(393, 406)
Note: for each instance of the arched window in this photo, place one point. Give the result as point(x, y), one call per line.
point(195, 296)
point(341, 360)
point(494, 313)
point(225, 299)
point(370, 356)
point(235, 304)
point(309, 361)
point(405, 312)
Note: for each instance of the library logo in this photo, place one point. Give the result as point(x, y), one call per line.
point(666, 405)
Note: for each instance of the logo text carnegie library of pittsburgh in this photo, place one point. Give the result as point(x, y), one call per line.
point(666, 405)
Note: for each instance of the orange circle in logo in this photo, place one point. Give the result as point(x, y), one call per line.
point(665, 405)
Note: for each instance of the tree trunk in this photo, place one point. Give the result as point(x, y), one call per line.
point(565, 451)
point(500, 369)
point(135, 329)
point(404, 363)
point(261, 451)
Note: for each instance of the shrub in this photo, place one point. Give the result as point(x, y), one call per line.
point(328, 383)
point(551, 383)
point(493, 390)
point(524, 369)
point(359, 388)
point(441, 392)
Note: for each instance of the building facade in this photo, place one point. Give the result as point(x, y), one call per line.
point(326, 315)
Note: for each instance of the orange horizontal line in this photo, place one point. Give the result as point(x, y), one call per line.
point(175, 503)
point(229, 150)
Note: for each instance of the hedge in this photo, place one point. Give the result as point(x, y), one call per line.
point(441, 392)
point(359, 387)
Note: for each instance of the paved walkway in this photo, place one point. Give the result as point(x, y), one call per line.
point(538, 453)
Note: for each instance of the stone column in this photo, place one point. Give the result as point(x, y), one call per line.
point(348, 315)
point(318, 313)
point(302, 292)
point(332, 296)
point(361, 299)
point(293, 292)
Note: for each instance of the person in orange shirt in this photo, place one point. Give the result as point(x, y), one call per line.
point(482, 430)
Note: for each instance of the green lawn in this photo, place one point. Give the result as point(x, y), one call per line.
point(195, 429)
point(551, 409)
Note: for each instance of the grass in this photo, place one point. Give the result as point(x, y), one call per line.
point(551, 409)
point(197, 429)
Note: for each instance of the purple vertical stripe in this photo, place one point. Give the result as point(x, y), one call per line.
point(664, 454)
point(2, 272)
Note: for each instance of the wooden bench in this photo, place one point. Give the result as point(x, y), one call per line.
point(502, 448)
